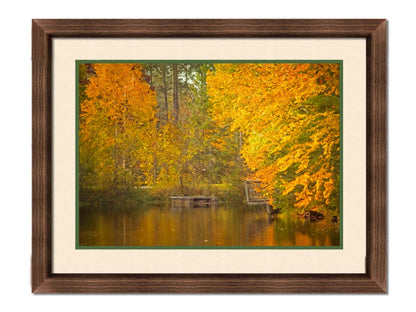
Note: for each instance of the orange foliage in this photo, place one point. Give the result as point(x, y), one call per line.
point(117, 125)
point(285, 124)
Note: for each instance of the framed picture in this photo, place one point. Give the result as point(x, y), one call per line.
point(209, 156)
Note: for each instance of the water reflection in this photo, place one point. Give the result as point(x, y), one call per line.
point(225, 225)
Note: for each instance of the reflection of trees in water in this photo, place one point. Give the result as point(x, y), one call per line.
point(234, 225)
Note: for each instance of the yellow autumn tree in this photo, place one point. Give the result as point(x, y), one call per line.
point(289, 117)
point(117, 128)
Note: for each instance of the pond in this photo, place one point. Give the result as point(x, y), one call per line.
point(226, 225)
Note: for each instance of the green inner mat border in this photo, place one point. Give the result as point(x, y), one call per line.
point(77, 104)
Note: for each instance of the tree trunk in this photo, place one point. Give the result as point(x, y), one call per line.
point(165, 91)
point(175, 92)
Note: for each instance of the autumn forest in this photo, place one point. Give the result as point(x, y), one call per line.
point(152, 133)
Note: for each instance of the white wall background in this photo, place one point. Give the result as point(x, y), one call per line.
point(15, 164)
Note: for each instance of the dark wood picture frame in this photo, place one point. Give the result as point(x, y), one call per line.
point(375, 278)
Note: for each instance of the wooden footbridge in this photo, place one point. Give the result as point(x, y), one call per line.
point(253, 197)
point(193, 201)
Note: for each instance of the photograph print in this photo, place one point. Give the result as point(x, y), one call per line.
point(209, 154)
